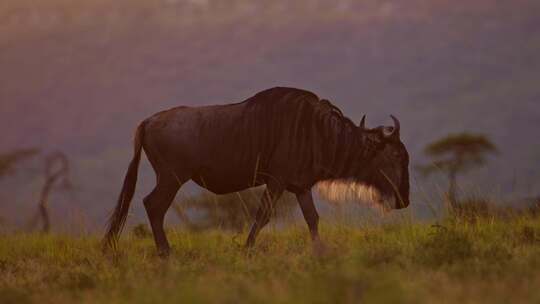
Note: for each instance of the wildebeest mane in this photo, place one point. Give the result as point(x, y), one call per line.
point(293, 124)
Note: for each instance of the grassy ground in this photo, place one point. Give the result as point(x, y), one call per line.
point(488, 261)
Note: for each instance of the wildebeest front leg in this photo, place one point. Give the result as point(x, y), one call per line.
point(305, 199)
point(272, 193)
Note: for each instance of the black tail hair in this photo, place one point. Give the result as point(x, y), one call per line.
point(119, 216)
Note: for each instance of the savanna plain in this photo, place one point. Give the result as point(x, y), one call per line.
point(71, 69)
point(456, 260)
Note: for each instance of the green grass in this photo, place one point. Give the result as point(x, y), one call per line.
point(488, 261)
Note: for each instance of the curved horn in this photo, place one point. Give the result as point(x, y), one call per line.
point(363, 123)
point(397, 127)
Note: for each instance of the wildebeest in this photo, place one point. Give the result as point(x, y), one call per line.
point(285, 138)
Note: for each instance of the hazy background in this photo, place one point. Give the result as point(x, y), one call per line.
point(79, 76)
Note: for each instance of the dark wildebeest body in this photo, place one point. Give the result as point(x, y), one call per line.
point(285, 138)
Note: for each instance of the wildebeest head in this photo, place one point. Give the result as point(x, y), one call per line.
point(386, 168)
point(381, 174)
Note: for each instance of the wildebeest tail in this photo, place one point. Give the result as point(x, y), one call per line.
point(119, 216)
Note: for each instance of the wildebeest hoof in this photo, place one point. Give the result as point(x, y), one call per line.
point(320, 248)
point(164, 253)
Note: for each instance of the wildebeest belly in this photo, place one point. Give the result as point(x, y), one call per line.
point(228, 173)
point(227, 168)
point(227, 180)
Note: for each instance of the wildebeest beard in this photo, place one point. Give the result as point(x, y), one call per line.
point(349, 190)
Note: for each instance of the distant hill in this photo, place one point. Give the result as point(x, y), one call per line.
point(80, 76)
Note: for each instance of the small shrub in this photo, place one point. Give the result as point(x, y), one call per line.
point(473, 208)
point(496, 253)
point(141, 231)
point(382, 254)
point(14, 296)
point(80, 281)
point(533, 210)
point(528, 235)
point(476, 208)
point(235, 211)
point(444, 246)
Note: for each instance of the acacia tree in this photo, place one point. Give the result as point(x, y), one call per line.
point(56, 168)
point(456, 154)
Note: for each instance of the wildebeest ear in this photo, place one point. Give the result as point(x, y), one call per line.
point(392, 132)
point(388, 130)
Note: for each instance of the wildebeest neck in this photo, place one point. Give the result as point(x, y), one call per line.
point(343, 151)
point(310, 134)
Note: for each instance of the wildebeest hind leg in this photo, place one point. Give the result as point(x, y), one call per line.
point(272, 193)
point(156, 204)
